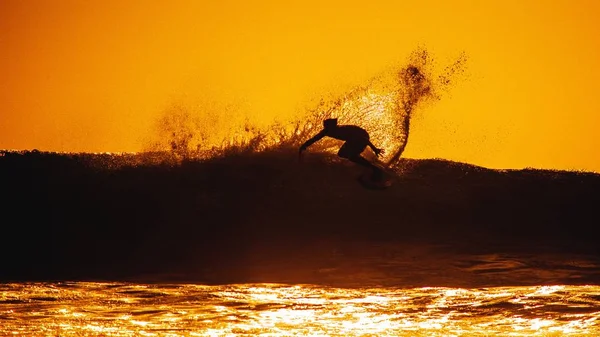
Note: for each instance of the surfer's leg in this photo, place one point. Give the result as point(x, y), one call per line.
point(344, 151)
point(352, 151)
point(360, 160)
point(377, 172)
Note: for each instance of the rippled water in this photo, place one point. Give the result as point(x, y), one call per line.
point(123, 309)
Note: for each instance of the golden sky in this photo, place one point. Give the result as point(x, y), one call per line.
point(94, 75)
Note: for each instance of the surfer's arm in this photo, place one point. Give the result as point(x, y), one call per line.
point(375, 149)
point(312, 140)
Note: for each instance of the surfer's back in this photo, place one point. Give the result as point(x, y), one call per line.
point(348, 133)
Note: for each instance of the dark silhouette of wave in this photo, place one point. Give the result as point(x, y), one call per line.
point(102, 216)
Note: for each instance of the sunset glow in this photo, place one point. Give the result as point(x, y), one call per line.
point(95, 76)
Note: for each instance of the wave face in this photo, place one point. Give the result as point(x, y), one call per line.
point(74, 216)
point(384, 106)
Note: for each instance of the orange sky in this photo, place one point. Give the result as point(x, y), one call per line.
point(94, 75)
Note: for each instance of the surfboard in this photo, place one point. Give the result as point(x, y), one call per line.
point(367, 181)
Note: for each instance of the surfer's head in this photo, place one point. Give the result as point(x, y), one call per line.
point(330, 123)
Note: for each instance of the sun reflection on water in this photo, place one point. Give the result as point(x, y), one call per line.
point(121, 309)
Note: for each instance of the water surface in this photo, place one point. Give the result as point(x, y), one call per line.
point(127, 309)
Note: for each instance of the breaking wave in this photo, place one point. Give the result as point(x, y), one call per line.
point(384, 106)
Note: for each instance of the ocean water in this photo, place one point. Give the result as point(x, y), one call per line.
point(450, 249)
point(133, 309)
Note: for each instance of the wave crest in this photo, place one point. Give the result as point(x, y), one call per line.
point(384, 106)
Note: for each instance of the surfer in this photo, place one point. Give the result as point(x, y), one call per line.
point(356, 140)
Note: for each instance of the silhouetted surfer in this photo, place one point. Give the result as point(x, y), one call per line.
point(356, 140)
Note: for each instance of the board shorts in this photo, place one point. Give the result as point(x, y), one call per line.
point(352, 149)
